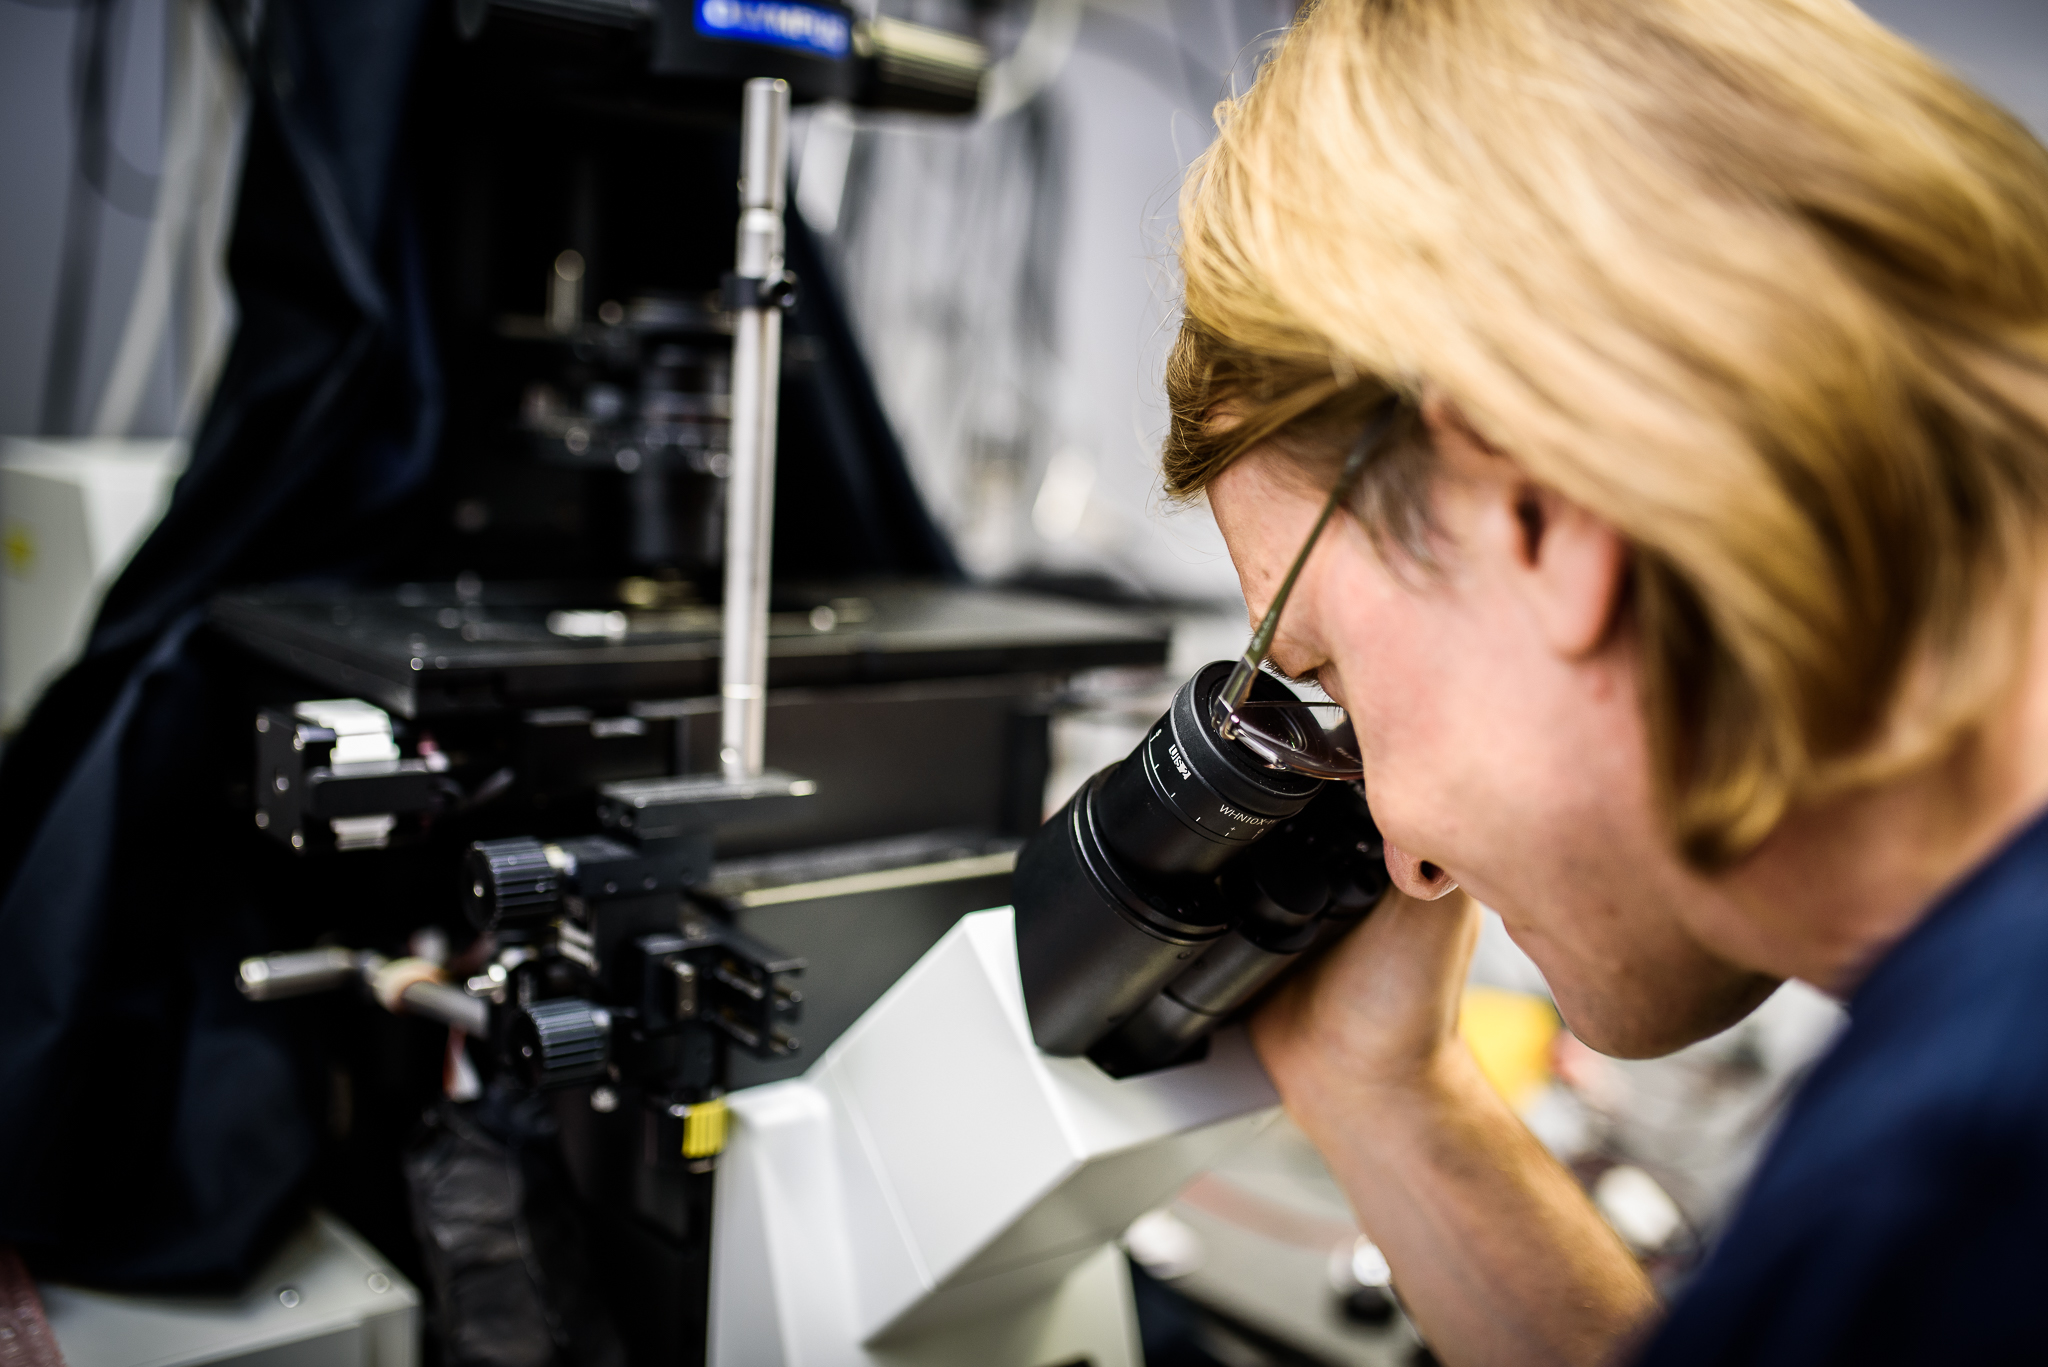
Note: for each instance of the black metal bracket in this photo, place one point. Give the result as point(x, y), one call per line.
point(736, 292)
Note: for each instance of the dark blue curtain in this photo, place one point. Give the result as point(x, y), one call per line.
point(154, 1128)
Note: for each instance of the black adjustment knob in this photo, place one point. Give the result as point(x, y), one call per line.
point(560, 1041)
point(511, 881)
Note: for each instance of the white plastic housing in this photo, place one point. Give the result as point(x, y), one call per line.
point(934, 1175)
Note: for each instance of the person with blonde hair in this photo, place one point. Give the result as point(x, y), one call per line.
point(1689, 614)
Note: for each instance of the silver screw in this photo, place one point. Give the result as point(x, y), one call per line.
point(288, 1297)
point(379, 1283)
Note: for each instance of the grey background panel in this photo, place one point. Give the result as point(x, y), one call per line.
point(37, 152)
point(2001, 45)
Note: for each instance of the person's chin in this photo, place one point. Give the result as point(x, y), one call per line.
point(1624, 1022)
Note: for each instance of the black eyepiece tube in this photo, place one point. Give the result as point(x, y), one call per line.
point(1314, 877)
point(1187, 801)
point(1278, 908)
point(1091, 946)
point(1116, 895)
point(1304, 882)
point(1176, 1024)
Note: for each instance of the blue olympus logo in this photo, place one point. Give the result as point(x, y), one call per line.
point(774, 21)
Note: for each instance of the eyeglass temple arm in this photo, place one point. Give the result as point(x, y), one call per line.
point(1239, 686)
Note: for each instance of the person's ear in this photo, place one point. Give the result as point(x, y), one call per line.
point(1571, 565)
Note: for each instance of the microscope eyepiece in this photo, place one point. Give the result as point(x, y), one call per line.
point(1179, 883)
point(1187, 800)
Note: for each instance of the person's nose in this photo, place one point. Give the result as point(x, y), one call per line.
point(1418, 878)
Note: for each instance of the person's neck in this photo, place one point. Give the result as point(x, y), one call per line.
point(1837, 885)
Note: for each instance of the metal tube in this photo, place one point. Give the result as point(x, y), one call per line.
point(756, 382)
point(451, 1006)
point(276, 976)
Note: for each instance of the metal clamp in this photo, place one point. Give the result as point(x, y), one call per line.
point(737, 292)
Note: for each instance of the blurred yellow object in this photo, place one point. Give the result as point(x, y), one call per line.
point(1510, 1034)
point(704, 1129)
point(20, 544)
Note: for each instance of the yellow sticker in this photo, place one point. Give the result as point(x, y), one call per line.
point(19, 546)
point(704, 1129)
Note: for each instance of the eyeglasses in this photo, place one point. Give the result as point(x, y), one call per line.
point(1309, 738)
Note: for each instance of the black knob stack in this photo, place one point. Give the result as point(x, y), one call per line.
point(511, 882)
point(561, 1041)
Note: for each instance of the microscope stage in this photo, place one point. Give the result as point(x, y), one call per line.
point(424, 650)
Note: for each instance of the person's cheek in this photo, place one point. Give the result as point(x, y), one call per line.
point(1336, 603)
point(1406, 782)
point(1373, 631)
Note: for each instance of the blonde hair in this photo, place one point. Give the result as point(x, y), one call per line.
point(1754, 281)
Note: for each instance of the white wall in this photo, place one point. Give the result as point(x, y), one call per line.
point(2001, 45)
point(1024, 373)
point(1129, 110)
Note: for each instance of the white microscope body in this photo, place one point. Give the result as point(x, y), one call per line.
point(935, 1190)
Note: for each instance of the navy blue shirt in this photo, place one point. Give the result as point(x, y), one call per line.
point(1901, 1214)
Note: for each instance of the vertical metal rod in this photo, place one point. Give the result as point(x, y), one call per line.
point(756, 382)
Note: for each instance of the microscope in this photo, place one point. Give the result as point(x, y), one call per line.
point(946, 1182)
point(661, 836)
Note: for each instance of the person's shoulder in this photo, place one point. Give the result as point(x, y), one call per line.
point(1911, 1171)
point(1941, 1059)
point(1955, 1010)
